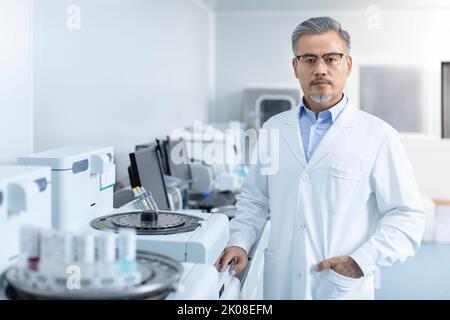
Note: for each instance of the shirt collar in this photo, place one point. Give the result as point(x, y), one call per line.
point(334, 111)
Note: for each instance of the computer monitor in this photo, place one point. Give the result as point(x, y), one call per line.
point(146, 171)
point(164, 158)
point(162, 150)
point(179, 167)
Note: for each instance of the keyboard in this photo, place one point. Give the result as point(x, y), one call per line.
point(217, 199)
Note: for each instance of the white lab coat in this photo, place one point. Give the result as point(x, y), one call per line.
point(356, 196)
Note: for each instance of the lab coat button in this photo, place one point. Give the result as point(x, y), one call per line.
point(301, 226)
point(297, 275)
point(305, 177)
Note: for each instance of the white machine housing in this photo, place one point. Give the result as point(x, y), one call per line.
point(253, 283)
point(204, 282)
point(25, 198)
point(203, 245)
point(198, 282)
point(83, 178)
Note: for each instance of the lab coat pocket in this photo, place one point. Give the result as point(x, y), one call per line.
point(342, 187)
point(336, 286)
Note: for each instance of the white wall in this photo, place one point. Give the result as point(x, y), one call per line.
point(16, 79)
point(135, 70)
point(251, 50)
point(254, 48)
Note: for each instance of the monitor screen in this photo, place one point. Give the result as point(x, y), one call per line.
point(147, 171)
point(178, 159)
point(163, 153)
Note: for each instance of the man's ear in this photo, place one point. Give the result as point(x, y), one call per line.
point(349, 65)
point(294, 65)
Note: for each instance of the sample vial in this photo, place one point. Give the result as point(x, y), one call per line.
point(45, 278)
point(106, 270)
point(64, 256)
point(85, 244)
point(127, 266)
point(29, 258)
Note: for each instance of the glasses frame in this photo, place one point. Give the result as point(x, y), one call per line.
point(320, 56)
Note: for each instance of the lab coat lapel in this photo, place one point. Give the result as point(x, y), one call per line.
point(335, 135)
point(290, 133)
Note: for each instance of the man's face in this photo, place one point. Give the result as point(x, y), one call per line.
point(322, 78)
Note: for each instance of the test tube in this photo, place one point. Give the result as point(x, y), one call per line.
point(64, 256)
point(106, 269)
point(29, 247)
point(127, 247)
point(69, 248)
point(28, 253)
point(149, 199)
point(86, 259)
point(24, 236)
point(47, 262)
point(142, 204)
point(127, 265)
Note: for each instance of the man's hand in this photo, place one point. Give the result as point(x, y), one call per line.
point(232, 254)
point(343, 265)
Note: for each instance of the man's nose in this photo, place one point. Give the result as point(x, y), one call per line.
point(320, 68)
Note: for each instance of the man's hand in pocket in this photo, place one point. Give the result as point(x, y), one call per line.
point(343, 265)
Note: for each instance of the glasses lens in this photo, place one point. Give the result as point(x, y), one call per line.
point(308, 60)
point(332, 59)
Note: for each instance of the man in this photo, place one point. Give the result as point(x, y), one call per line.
point(344, 201)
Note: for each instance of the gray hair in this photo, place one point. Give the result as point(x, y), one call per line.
point(319, 25)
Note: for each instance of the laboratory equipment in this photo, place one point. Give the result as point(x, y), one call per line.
point(261, 103)
point(188, 236)
point(195, 237)
point(145, 166)
point(176, 156)
point(25, 197)
point(101, 266)
point(83, 180)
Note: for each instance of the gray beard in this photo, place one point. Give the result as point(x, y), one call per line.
point(321, 99)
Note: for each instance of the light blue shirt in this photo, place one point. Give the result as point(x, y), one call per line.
point(312, 129)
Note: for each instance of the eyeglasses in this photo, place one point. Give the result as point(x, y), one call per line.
point(332, 59)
